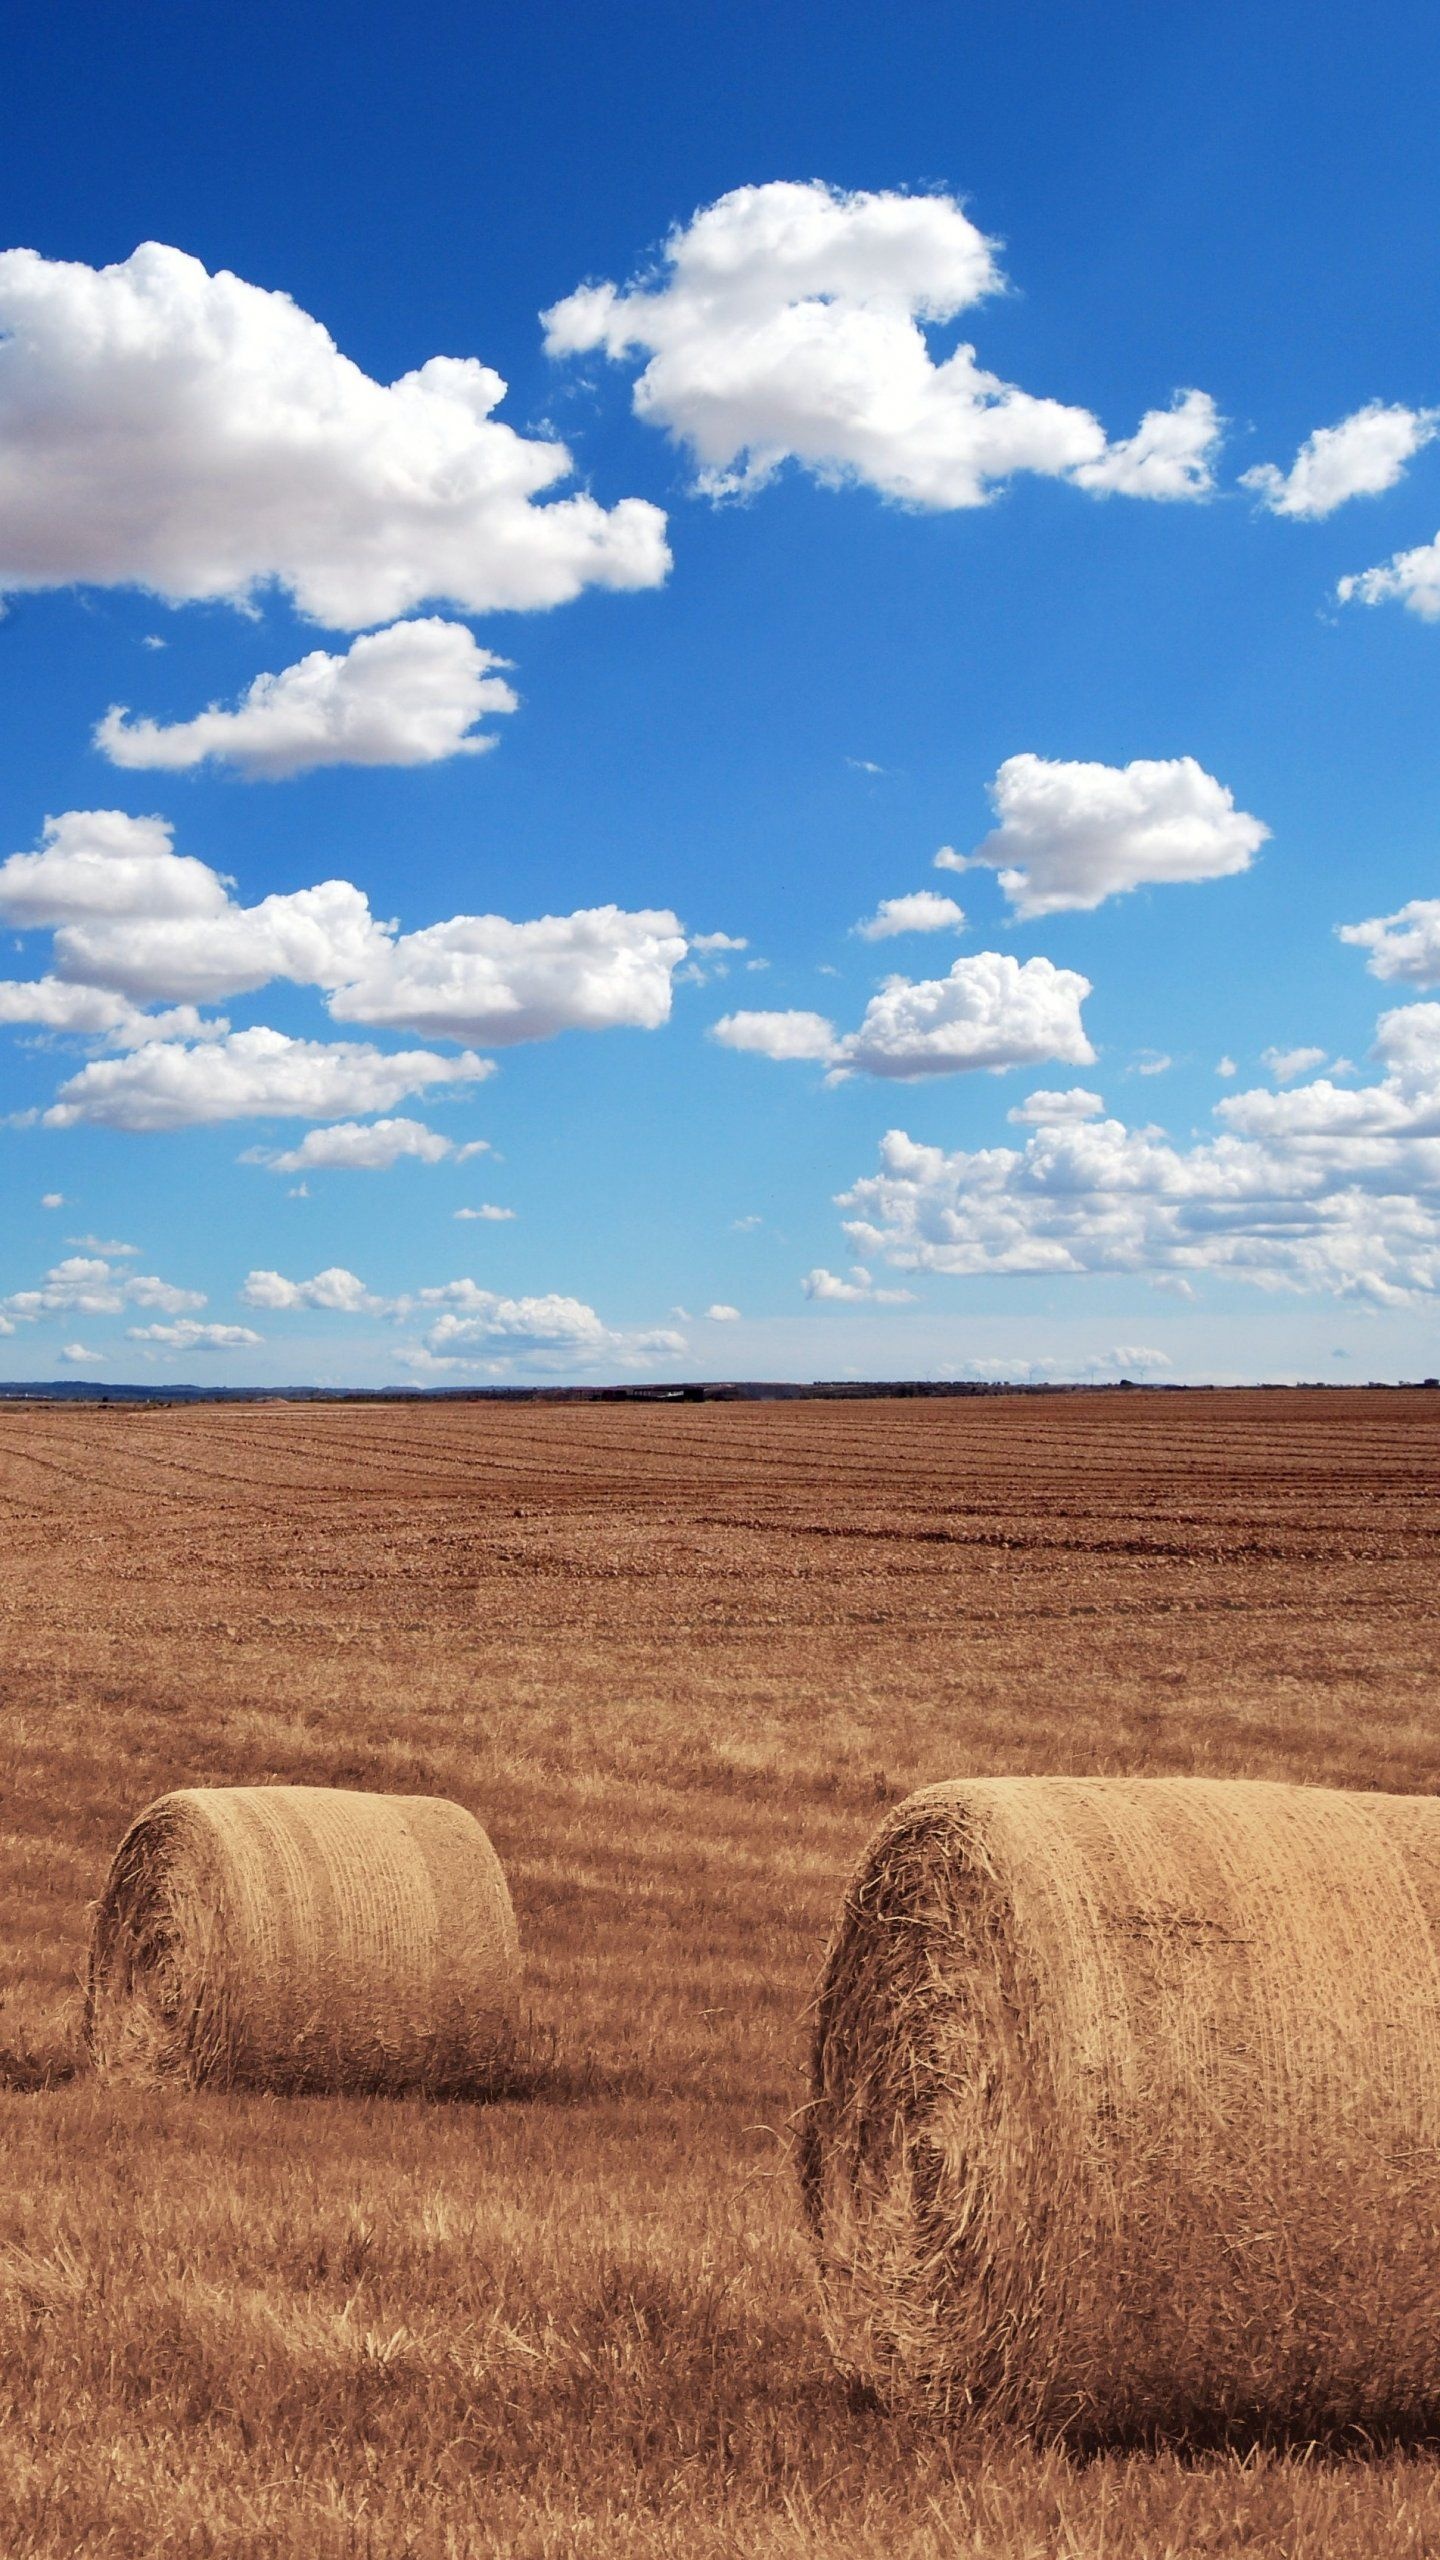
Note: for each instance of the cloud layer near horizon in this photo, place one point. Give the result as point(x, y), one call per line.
point(1318, 1186)
point(468, 1327)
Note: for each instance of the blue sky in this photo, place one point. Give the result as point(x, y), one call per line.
point(814, 600)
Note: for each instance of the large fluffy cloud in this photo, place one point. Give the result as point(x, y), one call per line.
point(165, 428)
point(788, 322)
point(94, 863)
point(484, 978)
point(139, 920)
point(412, 694)
point(135, 920)
point(1364, 455)
point(1403, 946)
point(87, 1285)
point(249, 1075)
point(1411, 577)
point(1072, 835)
point(992, 1011)
point(1320, 1187)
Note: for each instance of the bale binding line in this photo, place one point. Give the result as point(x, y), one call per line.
point(304, 1938)
point(1125, 2109)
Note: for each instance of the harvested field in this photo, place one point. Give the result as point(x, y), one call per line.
point(678, 1661)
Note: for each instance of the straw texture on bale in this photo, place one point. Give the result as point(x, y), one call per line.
point(304, 1938)
point(1125, 2110)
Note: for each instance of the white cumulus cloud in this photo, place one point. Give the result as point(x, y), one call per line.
point(778, 1035)
point(53, 1004)
point(84, 1284)
point(858, 1290)
point(476, 1326)
point(412, 694)
point(1286, 1064)
point(483, 978)
point(487, 1214)
point(1072, 834)
point(1046, 1108)
point(259, 1074)
point(920, 911)
point(469, 1328)
point(80, 1355)
point(335, 1292)
point(365, 1146)
point(721, 1314)
point(1411, 577)
point(788, 322)
point(135, 923)
point(1317, 1188)
point(1359, 458)
point(97, 863)
point(201, 437)
point(992, 1011)
point(1404, 946)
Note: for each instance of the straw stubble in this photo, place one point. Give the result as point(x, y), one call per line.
point(1125, 2114)
point(304, 1938)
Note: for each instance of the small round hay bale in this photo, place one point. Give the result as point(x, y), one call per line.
point(304, 1938)
point(1125, 2112)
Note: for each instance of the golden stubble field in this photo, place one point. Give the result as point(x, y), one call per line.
point(678, 1660)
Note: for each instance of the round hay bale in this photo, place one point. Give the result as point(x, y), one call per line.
point(1125, 2112)
point(304, 1938)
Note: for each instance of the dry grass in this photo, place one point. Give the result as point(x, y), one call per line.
point(677, 1661)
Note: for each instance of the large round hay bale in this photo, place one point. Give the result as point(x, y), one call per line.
point(1125, 2112)
point(304, 1938)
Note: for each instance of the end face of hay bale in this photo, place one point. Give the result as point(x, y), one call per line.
point(301, 1938)
point(1125, 2107)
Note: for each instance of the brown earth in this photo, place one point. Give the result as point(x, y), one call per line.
point(677, 1659)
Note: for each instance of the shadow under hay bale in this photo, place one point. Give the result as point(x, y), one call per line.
point(305, 1938)
point(1125, 2109)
